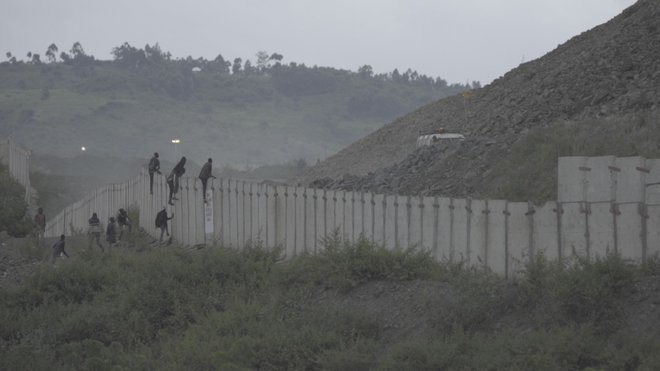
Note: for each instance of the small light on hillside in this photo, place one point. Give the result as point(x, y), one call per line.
point(82, 148)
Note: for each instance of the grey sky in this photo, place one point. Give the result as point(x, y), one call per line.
point(458, 40)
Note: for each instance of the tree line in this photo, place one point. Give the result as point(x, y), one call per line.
point(153, 57)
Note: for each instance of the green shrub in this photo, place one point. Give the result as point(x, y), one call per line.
point(13, 209)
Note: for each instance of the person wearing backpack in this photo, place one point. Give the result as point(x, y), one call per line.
point(154, 167)
point(204, 175)
point(161, 222)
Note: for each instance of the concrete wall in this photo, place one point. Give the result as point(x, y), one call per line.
point(605, 205)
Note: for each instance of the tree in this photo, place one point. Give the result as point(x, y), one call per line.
point(366, 71)
point(36, 58)
point(247, 68)
point(220, 65)
point(277, 58)
point(236, 67)
point(51, 53)
point(262, 61)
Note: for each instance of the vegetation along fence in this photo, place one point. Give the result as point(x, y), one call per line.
point(18, 161)
point(602, 208)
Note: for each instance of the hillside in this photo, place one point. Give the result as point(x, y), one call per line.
point(137, 103)
point(598, 93)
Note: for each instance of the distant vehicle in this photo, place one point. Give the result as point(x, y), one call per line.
point(440, 136)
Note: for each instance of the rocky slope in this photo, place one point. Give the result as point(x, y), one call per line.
point(610, 72)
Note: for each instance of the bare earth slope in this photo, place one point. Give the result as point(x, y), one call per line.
point(609, 72)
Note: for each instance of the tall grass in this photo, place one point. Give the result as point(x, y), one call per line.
point(168, 308)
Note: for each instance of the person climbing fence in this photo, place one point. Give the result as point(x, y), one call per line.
point(94, 231)
point(204, 175)
point(154, 167)
point(161, 222)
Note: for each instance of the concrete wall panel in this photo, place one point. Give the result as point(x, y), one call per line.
point(460, 231)
point(429, 225)
point(445, 227)
point(629, 232)
point(630, 181)
point(379, 219)
point(599, 182)
point(652, 191)
point(653, 235)
point(496, 254)
point(545, 231)
point(573, 228)
point(601, 230)
point(519, 240)
point(391, 222)
point(571, 179)
point(478, 228)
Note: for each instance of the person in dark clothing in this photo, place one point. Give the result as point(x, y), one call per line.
point(170, 185)
point(94, 230)
point(58, 249)
point(179, 170)
point(154, 167)
point(111, 232)
point(204, 175)
point(124, 223)
point(40, 225)
point(161, 222)
point(173, 179)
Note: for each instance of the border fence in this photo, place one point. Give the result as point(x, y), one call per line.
point(605, 205)
point(18, 162)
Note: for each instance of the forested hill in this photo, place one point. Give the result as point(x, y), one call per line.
point(241, 112)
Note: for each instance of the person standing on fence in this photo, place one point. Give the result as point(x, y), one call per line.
point(173, 179)
point(154, 167)
point(204, 175)
point(124, 223)
point(178, 171)
point(94, 230)
point(40, 225)
point(161, 222)
point(170, 185)
point(58, 249)
point(111, 232)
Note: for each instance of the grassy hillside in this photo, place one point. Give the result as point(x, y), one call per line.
point(349, 307)
point(271, 116)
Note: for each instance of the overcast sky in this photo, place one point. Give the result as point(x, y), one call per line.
point(458, 40)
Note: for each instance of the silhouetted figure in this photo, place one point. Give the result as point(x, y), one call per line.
point(173, 179)
point(58, 249)
point(124, 223)
point(204, 175)
point(111, 232)
point(161, 222)
point(40, 226)
point(94, 231)
point(154, 167)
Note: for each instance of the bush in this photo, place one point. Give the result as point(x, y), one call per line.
point(13, 209)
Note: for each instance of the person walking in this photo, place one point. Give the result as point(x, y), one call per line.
point(154, 167)
point(111, 232)
point(94, 231)
point(161, 222)
point(58, 249)
point(124, 223)
point(40, 226)
point(204, 175)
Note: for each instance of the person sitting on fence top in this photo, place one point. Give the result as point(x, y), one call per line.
point(204, 175)
point(124, 222)
point(154, 167)
point(94, 230)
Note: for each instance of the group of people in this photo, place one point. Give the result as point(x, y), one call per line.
point(116, 227)
point(175, 175)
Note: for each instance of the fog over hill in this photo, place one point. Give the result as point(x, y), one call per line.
point(598, 93)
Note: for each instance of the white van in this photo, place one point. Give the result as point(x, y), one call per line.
point(431, 139)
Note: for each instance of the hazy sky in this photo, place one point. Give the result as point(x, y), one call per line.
point(458, 40)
